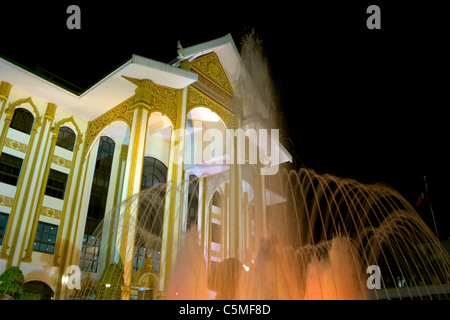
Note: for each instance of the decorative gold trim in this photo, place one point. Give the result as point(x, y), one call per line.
point(12, 106)
point(16, 145)
point(6, 201)
point(141, 116)
point(214, 92)
point(123, 152)
point(50, 212)
point(156, 98)
point(9, 115)
point(35, 221)
point(70, 165)
point(22, 191)
point(209, 66)
point(216, 216)
point(5, 88)
point(43, 142)
point(50, 111)
point(195, 99)
point(58, 125)
point(62, 162)
point(121, 112)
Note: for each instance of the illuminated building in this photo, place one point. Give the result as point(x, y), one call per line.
point(68, 158)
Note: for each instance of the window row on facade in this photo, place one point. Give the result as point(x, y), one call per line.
point(23, 121)
point(11, 167)
point(45, 238)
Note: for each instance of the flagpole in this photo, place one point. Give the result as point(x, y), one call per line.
point(431, 207)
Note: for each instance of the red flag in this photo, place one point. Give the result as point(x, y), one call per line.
point(423, 199)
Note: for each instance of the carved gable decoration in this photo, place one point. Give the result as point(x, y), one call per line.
point(209, 67)
point(212, 80)
point(123, 111)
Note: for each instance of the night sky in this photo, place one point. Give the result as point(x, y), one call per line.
point(358, 103)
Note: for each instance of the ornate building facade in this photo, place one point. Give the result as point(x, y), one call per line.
point(68, 159)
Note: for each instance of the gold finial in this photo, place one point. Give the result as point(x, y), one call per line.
point(148, 262)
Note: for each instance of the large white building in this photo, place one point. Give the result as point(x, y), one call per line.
point(67, 159)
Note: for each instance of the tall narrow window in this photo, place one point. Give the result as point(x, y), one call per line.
point(10, 167)
point(97, 204)
point(192, 202)
point(215, 228)
point(22, 120)
point(100, 184)
point(150, 219)
point(66, 138)
point(3, 223)
point(153, 172)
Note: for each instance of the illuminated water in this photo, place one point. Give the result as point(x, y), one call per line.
point(321, 241)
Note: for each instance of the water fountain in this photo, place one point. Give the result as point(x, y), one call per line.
point(319, 243)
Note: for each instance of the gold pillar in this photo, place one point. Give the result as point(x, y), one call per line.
point(202, 211)
point(245, 227)
point(9, 114)
point(173, 201)
point(225, 221)
point(70, 253)
point(132, 185)
point(5, 88)
point(68, 195)
point(260, 209)
point(17, 228)
point(208, 234)
point(64, 241)
point(117, 198)
point(42, 183)
point(235, 228)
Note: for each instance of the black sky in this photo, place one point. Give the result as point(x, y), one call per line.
point(359, 103)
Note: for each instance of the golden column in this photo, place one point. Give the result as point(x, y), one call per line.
point(24, 208)
point(235, 226)
point(5, 88)
point(202, 212)
point(245, 228)
point(225, 205)
point(132, 184)
point(260, 208)
point(174, 197)
point(65, 242)
point(49, 135)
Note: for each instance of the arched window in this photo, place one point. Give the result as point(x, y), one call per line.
point(153, 172)
point(216, 199)
point(216, 228)
point(3, 223)
point(66, 138)
point(100, 183)
point(22, 120)
point(97, 204)
point(40, 288)
point(192, 202)
point(150, 217)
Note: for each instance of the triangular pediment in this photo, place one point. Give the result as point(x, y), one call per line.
point(209, 67)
